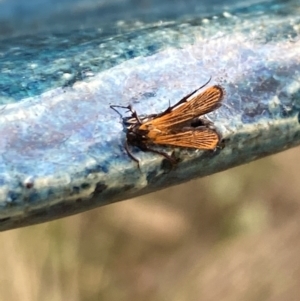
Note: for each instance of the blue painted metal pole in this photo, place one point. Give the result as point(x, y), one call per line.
point(62, 146)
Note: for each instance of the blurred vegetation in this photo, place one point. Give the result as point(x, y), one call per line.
point(230, 236)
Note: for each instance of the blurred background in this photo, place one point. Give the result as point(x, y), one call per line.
point(28, 17)
point(231, 236)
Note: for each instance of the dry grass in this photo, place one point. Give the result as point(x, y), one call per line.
point(231, 236)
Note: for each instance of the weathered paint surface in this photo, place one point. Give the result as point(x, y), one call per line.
point(62, 146)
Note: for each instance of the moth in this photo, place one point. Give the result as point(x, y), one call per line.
point(179, 125)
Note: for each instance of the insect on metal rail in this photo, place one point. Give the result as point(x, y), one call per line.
point(179, 125)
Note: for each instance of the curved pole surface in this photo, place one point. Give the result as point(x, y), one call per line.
point(62, 147)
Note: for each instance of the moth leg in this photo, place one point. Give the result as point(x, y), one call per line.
point(134, 114)
point(169, 158)
point(131, 155)
point(116, 106)
point(130, 109)
point(221, 144)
